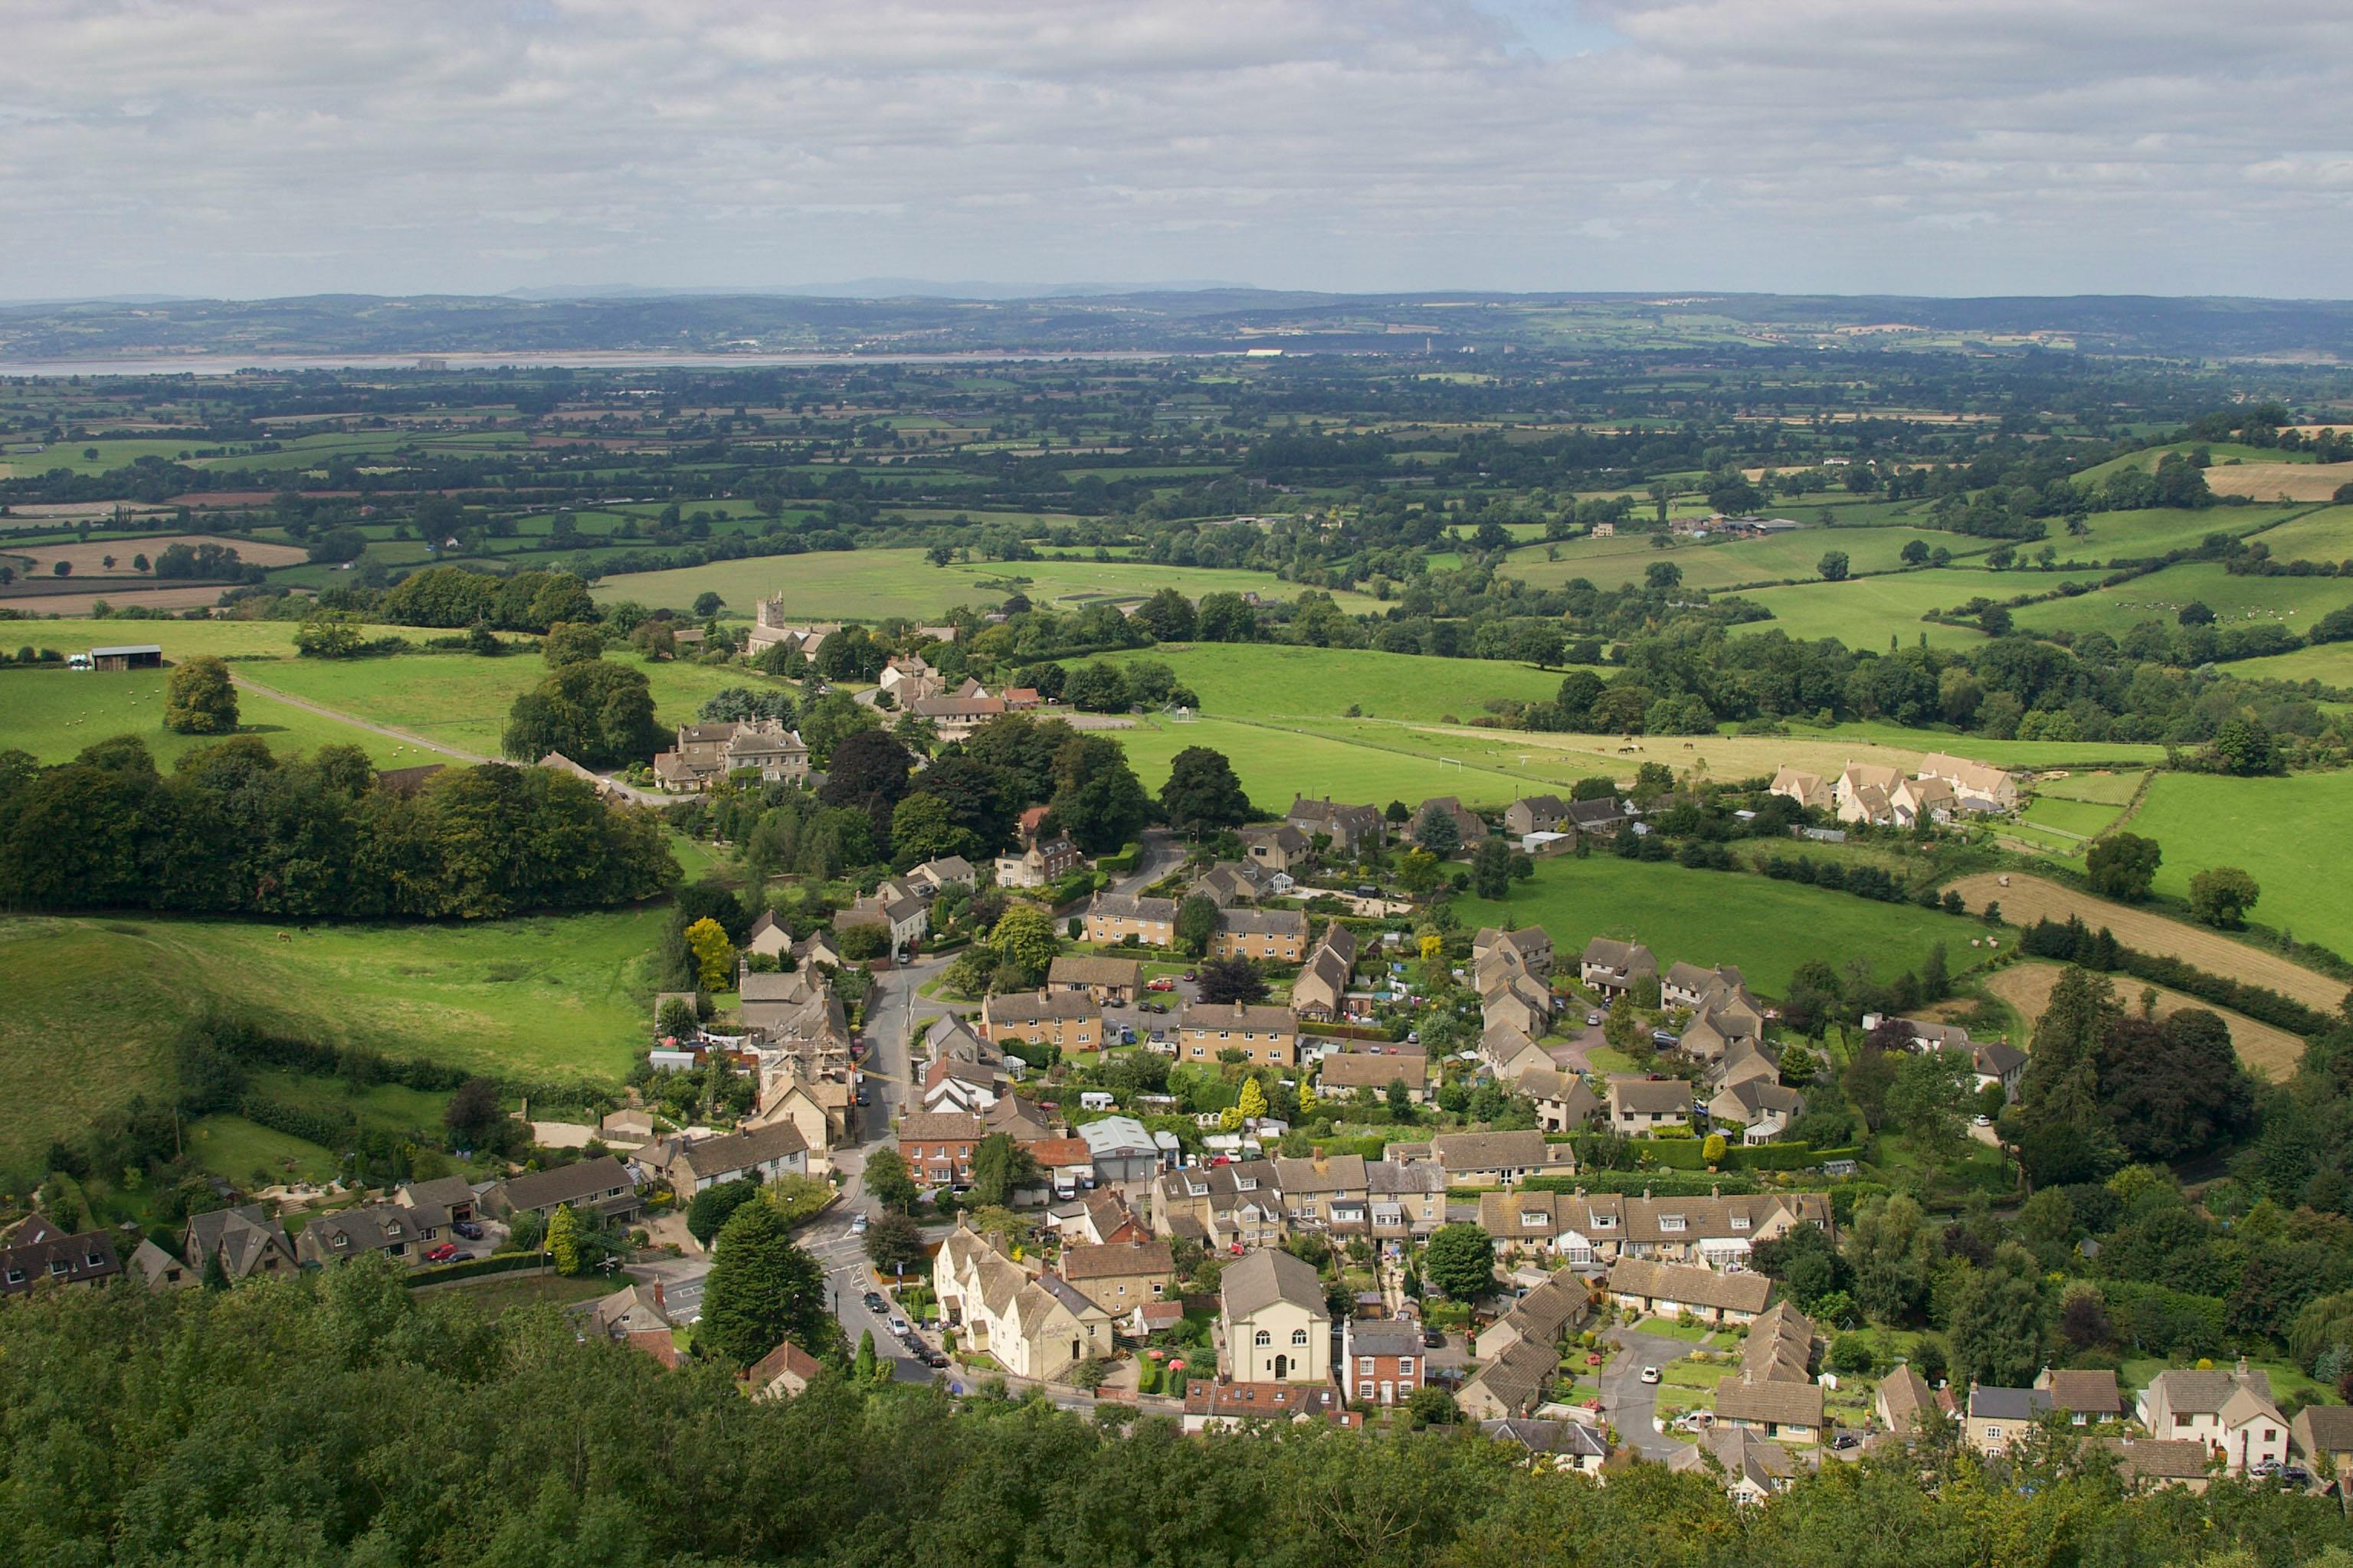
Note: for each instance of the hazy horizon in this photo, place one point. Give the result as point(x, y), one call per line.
point(252, 148)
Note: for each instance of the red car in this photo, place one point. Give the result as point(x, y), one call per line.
point(443, 1253)
point(1163, 983)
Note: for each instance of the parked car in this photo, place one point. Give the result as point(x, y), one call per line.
point(1981, 1121)
point(1847, 1440)
point(1664, 1040)
point(1432, 1339)
point(1163, 983)
point(469, 1229)
point(443, 1253)
point(899, 1326)
point(1650, 1374)
point(857, 1225)
point(1189, 975)
point(2296, 1475)
point(1593, 1020)
point(875, 1303)
point(865, 1096)
point(933, 1358)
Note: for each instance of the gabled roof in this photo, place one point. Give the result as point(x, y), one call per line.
point(1237, 1015)
point(1621, 956)
point(941, 1127)
point(1907, 1396)
point(1989, 1402)
point(1490, 1150)
point(1118, 1260)
point(1741, 1292)
point(1660, 1097)
point(1354, 1070)
point(1259, 1280)
point(576, 1182)
point(1743, 1398)
point(2092, 1391)
point(1086, 969)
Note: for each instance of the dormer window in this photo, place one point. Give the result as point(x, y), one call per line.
point(1740, 1222)
point(341, 1240)
point(1670, 1222)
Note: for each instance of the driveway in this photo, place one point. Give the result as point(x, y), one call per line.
point(1573, 1055)
point(1162, 853)
point(1630, 1404)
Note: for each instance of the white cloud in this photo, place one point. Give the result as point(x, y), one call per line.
point(266, 146)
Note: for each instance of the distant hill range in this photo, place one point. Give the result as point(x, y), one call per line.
point(905, 316)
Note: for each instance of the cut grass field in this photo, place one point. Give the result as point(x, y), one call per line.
point(95, 1002)
point(1708, 918)
point(2030, 898)
point(89, 559)
point(2266, 480)
point(1559, 759)
point(2026, 988)
point(54, 713)
point(2292, 835)
point(871, 585)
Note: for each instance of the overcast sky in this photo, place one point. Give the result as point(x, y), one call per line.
point(253, 147)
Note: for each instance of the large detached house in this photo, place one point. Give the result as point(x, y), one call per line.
point(706, 754)
point(1348, 827)
point(1611, 967)
point(41, 1254)
point(2230, 1413)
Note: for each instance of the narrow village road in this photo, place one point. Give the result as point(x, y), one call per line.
point(1630, 1404)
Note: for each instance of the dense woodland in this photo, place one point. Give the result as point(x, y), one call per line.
point(235, 829)
point(341, 1419)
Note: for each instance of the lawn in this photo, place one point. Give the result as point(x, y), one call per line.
point(96, 1002)
point(2294, 835)
point(1275, 681)
point(1708, 918)
point(54, 713)
point(2294, 601)
point(233, 1148)
point(871, 585)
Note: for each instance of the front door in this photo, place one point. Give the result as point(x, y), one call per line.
point(1282, 1367)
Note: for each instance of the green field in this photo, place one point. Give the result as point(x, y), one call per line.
point(872, 584)
point(460, 700)
point(178, 640)
point(2294, 601)
point(1608, 563)
point(94, 1002)
point(1274, 763)
point(1708, 918)
point(2292, 835)
point(54, 713)
point(1272, 680)
point(2324, 534)
point(1869, 612)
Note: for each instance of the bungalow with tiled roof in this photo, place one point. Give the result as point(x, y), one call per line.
point(1678, 1290)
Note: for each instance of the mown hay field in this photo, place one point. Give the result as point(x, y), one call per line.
point(2030, 898)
